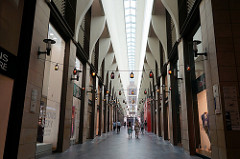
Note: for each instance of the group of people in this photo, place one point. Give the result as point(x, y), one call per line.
point(137, 128)
point(117, 125)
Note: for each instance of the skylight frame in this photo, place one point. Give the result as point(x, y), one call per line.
point(130, 24)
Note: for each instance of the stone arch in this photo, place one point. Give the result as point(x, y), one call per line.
point(172, 8)
point(82, 8)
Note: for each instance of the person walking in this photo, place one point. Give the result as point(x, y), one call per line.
point(142, 127)
point(118, 126)
point(114, 126)
point(136, 128)
point(129, 129)
point(145, 123)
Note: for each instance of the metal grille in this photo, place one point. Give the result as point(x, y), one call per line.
point(93, 57)
point(190, 4)
point(81, 37)
point(67, 9)
point(61, 5)
point(169, 32)
point(173, 32)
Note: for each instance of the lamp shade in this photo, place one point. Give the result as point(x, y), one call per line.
point(131, 75)
point(169, 72)
point(188, 68)
point(151, 74)
point(74, 71)
point(112, 75)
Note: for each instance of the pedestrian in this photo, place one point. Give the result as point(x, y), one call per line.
point(114, 126)
point(118, 126)
point(129, 129)
point(136, 128)
point(142, 127)
point(145, 123)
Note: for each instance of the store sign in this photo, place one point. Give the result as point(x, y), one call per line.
point(7, 63)
point(76, 91)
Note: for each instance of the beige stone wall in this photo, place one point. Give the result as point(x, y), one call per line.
point(85, 118)
point(183, 104)
point(226, 35)
point(212, 75)
point(69, 98)
point(28, 137)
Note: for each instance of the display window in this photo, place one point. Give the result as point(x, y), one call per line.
point(98, 110)
point(165, 87)
point(77, 87)
point(48, 124)
point(204, 146)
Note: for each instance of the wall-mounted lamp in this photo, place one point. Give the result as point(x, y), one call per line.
point(75, 72)
point(56, 67)
point(93, 74)
point(169, 72)
point(48, 42)
point(151, 74)
point(131, 75)
point(145, 92)
point(188, 68)
point(107, 91)
point(132, 92)
point(112, 75)
point(195, 48)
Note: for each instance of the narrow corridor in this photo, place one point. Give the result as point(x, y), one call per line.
point(119, 146)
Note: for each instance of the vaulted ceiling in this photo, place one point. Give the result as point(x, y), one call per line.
point(128, 22)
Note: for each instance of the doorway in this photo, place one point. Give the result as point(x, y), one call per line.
point(48, 123)
point(200, 106)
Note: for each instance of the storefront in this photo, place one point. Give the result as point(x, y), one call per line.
point(147, 115)
point(48, 124)
point(199, 91)
point(76, 108)
point(98, 122)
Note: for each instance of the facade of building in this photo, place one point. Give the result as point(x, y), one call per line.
point(52, 98)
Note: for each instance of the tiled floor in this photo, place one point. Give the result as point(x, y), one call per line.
point(119, 146)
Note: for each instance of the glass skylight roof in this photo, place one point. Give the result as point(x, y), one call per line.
point(130, 20)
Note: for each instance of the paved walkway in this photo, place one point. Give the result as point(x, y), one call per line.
point(119, 146)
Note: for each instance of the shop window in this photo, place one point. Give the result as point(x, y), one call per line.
point(199, 89)
point(77, 97)
point(51, 92)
